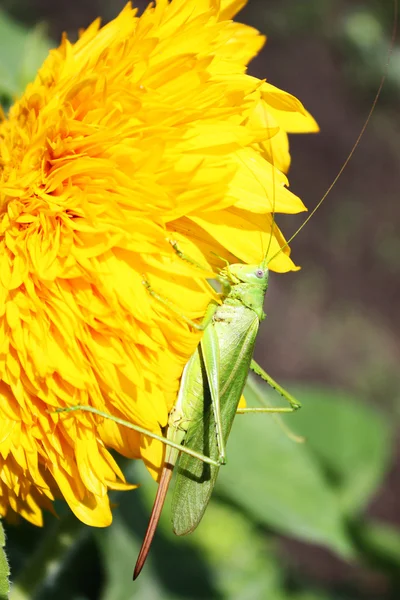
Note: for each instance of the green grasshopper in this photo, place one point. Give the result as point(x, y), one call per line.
point(211, 387)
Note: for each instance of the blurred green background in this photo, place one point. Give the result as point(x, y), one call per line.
point(313, 521)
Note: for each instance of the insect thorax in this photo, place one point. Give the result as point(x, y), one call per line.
point(248, 294)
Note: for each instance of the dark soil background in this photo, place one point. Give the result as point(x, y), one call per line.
point(336, 322)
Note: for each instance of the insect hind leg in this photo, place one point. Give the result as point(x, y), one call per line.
point(142, 430)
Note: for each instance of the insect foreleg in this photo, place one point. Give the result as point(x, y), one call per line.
point(212, 307)
point(188, 258)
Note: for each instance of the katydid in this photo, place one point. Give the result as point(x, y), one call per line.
point(211, 387)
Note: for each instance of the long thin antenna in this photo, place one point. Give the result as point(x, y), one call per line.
point(364, 127)
point(273, 223)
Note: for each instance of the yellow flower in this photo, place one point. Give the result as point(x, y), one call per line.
point(144, 131)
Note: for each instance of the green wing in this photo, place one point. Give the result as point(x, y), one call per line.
point(195, 480)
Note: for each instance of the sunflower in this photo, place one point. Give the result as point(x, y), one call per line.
point(144, 132)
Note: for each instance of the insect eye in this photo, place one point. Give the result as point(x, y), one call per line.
point(260, 273)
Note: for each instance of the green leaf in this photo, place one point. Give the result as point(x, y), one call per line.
point(4, 568)
point(242, 558)
point(226, 557)
point(119, 547)
point(22, 52)
point(48, 567)
point(36, 49)
point(238, 560)
point(280, 483)
point(175, 566)
point(381, 543)
point(352, 441)
point(313, 596)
